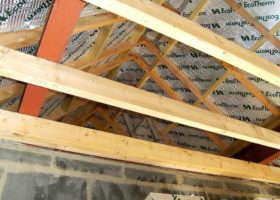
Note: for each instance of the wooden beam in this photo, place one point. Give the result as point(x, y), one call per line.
point(117, 128)
point(158, 80)
point(212, 88)
point(134, 37)
point(270, 123)
point(87, 60)
point(101, 41)
point(23, 38)
point(249, 18)
point(50, 134)
point(12, 89)
point(172, 43)
point(18, 66)
point(253, 89)
point(109, 65)
point(164, 21)
point(182, 77)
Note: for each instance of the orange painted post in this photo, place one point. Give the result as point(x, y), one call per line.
point(61, 23)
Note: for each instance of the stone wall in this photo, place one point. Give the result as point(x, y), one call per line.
point(31, 173)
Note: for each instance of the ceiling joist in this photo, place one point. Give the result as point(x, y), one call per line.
point(49, 134)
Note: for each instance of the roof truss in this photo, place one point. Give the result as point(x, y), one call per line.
point(162, 20)
point(222, 49)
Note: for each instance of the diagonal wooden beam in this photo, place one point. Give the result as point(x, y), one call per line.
point(23, 38)
point(60, 78)
point(134, 39)
point(239, 145)
point(87, 60)
point(177, 27)
point(261, 28)
point(188, 84)
point(172, 43)
point(253, 89)
point(83, 63)
point(156, 77)
point(12, 89)
point(105, 114)
point(165, 86)
point(263, 40)
point(182, 77)
point(49, 134)
point(109, 65)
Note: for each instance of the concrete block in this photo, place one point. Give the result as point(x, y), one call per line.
point(273, 191)
point(78, 165)
point(1, 171)
point(35, 186)
point(24, 157)
point(202, 183)
point(115, 191)
point(239, 187)
point(224, 197)
point(149, 176)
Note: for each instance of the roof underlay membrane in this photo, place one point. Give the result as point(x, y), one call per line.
point(231, 97)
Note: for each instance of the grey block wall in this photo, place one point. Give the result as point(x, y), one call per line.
point(31, 173)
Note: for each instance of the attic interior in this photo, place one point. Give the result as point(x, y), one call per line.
point(120, 99)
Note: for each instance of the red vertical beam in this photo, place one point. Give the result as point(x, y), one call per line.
point(260, 154)
point(61, 23)
point(271, 158)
